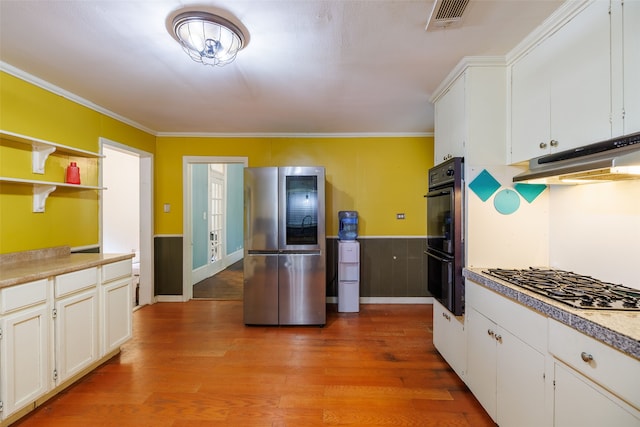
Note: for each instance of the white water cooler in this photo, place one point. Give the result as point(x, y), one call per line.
point(349, 276)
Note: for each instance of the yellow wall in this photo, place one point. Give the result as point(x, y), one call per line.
point(70, 217)
point(378, 177)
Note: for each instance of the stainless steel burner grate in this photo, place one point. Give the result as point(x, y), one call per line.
point(573, 289)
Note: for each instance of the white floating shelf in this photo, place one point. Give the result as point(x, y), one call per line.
point(42, 189)
point(41, 149)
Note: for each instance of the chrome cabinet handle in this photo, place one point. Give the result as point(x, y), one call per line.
point(543, 145)
point(499, 338)
point(586, 357)
point(554, 143)
point(491, 333)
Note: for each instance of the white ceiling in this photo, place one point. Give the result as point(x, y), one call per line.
point(310, 66)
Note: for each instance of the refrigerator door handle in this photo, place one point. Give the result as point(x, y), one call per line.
point(302, 252)
point(262, 252)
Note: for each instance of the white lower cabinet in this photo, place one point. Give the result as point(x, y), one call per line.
point(116, 309)
point(580, 402)
point(76, 322)
point(54, 330)
point(76, 331)
point(24, 351)
point(505, 363)
point(449, 338)
point(594, 384)
point(520, 382)
point(482, 360)
point(25, 345)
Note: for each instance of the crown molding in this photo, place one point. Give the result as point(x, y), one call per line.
point(553, 23)
point(460, 68)
point(294, 135)
point(36, 81)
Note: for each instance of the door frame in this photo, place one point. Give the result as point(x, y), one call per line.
point(146, 217)
point(187, 231)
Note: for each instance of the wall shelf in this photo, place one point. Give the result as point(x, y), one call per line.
point(41, 149)
point(42, 189)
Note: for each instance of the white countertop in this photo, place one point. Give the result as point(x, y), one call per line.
point(24, 271)
point(619, 329)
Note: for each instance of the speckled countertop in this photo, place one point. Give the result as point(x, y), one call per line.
point(619, 329)
point(23, 267)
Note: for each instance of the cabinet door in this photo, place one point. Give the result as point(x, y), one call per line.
point(76, 329)
point(579, 402)
point(580, 79)
point(24, 351)
point(631, 89)
point(530, 108)
point(449, 338)
point(481, 360)
point(450, 123)
point(561, 90)
point(116, 308)
point(520, 382)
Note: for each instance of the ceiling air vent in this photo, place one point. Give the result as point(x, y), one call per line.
point(446, 14)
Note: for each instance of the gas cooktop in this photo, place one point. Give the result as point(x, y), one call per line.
point(573, 289)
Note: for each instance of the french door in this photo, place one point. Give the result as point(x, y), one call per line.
point(216, 216)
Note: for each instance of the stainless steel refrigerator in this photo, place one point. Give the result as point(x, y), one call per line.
point(284, 246)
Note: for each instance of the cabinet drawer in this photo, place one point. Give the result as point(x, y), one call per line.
point(612, 369)
point(75, 281)
point(526, 324)
point(116, 270)
point(21, 296)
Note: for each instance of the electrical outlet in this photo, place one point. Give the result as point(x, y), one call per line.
point(399, 216)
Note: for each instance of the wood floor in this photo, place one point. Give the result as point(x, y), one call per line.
point(196, 364)
point(226, 285)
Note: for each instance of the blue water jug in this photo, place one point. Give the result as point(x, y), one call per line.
point(348, 225)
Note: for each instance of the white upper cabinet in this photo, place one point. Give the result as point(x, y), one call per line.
point(530, 106)
point(470, 113)
point(449, 123)
point(631, 65)
point(561, 90)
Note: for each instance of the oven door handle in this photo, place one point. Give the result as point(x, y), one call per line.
point(438, 193)
point(431, 254)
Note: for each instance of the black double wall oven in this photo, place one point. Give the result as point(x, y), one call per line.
point(445, 234)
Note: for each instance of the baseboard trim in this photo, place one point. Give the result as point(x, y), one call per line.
point(388, 300)
point(169, 298)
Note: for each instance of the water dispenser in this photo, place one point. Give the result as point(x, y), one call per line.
point(348, 225)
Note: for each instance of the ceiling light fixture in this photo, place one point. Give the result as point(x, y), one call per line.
point(208, 38)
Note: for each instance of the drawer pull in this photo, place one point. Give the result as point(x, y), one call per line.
point(490, 332)
point(499, 338)
point(586, 357)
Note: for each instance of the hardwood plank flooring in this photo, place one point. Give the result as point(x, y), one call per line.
point(227, 284)
point(195, 364)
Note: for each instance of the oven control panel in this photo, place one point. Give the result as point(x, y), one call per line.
point(445, 173)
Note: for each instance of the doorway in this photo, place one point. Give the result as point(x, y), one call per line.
point(126, 212)
point(213, 204)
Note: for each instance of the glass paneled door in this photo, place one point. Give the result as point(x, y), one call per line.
point(216, 217)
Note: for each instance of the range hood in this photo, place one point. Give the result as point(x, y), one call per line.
point(612, 160)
